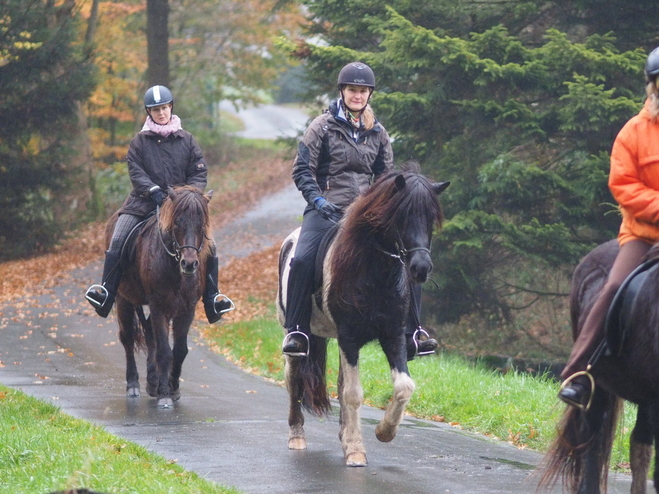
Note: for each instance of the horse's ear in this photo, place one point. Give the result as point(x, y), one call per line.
point(171, 193)
point(399, 182)
point(209, 195)
point(439, 187)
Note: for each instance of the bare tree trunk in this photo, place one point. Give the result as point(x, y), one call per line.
point(157, 36)
point(92, 23)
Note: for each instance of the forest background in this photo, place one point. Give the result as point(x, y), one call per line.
point(516, 103)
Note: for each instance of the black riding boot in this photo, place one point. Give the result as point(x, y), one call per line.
point(102, 296)
point(298, 311)
point(215, 303)
point(418, 340)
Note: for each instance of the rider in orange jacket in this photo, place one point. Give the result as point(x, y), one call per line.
point(634, 183)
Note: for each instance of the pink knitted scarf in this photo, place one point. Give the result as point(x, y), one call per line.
point(172, 126)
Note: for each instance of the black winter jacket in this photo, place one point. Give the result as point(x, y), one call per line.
point(162, 161)
point(331, 163)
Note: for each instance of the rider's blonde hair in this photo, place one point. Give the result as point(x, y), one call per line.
point(652, 91)
point(368, 118)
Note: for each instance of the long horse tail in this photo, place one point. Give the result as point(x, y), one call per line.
point(141, 324)
point(315, 398)
point(581, 451)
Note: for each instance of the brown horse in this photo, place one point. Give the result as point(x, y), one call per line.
point(627, 370)
point(381, 249)
point(165, 270)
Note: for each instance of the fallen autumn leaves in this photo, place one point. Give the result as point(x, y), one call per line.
point(250, 282)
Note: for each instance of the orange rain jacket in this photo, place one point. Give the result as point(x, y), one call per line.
point(634, 178)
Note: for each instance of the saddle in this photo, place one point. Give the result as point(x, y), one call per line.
point(616, 325)
point(129, 249)
point(325, 243)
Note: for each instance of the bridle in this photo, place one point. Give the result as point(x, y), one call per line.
point(177, 248)
point(402, 253)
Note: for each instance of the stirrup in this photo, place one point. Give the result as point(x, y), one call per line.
point(218, 299)
point(296, 354)
point(98, 290)
point(586, 373)
point(416, 342)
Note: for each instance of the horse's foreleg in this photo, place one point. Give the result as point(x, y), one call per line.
point(151, 367)
point(403, 387)
point(393, 415)
point(296, 438)
point(351, 396)
point(164, 358)
point(180, 328)
point(127, 329)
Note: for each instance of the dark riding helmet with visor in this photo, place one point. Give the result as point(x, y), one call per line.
point(356, 74)
point(157, 96)
point(652, 65)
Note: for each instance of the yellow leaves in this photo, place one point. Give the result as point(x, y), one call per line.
point(15, 44)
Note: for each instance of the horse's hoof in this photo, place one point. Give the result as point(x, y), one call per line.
point(152, 390)
point(133, 391)
point(297, 443)
point(176, 395)
point(166, 402)
point(356, 460)
point(385, 434)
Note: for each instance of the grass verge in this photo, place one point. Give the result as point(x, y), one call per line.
point(45, 450)
point(515, 407)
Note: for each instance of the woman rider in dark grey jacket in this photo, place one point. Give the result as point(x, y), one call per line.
point(341, 153)
point(161, 155)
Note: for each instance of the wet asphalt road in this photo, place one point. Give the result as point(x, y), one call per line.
point(229, 426)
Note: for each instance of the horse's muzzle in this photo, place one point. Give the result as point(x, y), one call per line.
point(420, 269)
point(188, 267)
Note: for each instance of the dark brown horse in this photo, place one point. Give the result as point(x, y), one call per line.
point(164, 270)
point(382, 247)
point(628, 370)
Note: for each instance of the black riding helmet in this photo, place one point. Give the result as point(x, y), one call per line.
point(356, 74)
point(652, 65)
point(156, 96)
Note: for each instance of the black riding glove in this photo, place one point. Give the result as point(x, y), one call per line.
point(326, 209)
point(158, 196)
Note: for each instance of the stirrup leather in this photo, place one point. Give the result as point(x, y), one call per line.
point(590, 377)
point(296, 354)
point(96, 289)
point(218, 299)
point(416, 342)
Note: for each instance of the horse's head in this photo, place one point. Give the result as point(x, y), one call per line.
point(399, 213)
point(418, 211)
point(185, 227)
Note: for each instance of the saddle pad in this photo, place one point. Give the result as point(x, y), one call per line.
point(128, 250)
point(622, 307)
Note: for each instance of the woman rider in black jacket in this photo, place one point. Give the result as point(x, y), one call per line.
point(341, 153)
point(162, 154)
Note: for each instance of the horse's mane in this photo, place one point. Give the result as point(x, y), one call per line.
point(184, 202)
point(376, 217)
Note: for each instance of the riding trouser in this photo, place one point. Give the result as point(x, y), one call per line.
point(592, 333)
point(301, 277)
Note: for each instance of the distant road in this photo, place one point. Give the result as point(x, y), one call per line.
point(268, 121)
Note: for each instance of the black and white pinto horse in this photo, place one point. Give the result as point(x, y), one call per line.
point(381, 248)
